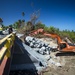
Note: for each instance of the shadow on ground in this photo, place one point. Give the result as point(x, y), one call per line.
point(66, 54)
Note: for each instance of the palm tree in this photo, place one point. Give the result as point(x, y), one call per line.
point(23, 14)
point(23, 21)
point(1, 21)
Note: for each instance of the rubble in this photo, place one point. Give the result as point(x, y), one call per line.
point(58, 65)
point(43, 49)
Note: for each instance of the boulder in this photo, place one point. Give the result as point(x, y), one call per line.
point(31, 45)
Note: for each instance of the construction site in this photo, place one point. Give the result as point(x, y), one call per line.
point(31, 55)
point(54, 60)
point(37, 37)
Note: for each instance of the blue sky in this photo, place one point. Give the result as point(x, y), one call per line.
point(57, 13)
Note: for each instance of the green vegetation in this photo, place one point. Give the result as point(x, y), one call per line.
point(62, 34)
point(51, 29)
point(23, 27)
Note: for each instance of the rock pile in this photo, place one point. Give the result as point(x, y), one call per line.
point(39, 46)
point(43, 48)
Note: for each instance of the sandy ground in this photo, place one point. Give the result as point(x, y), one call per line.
point(67, 69)
point(67, 61)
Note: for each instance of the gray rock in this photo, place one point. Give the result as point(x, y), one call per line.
point(31, 45)
point(46, 45)
point(47, 48)
point(43, 48)
point(41, 52)
point(35, 45)
point(47, 52)
point(38, 46)
point(42, 43)
point(33, 41)
point(28, 38)
point(38, 41)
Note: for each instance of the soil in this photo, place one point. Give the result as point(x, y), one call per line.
point(67, 69)
point(66, 59)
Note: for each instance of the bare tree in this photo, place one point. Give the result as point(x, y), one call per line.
point(23, 14)
point(29, 26)
point(34, 16)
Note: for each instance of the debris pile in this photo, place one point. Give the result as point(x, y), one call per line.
point(41, 47)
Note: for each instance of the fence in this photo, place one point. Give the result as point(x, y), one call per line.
point(5, 50)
